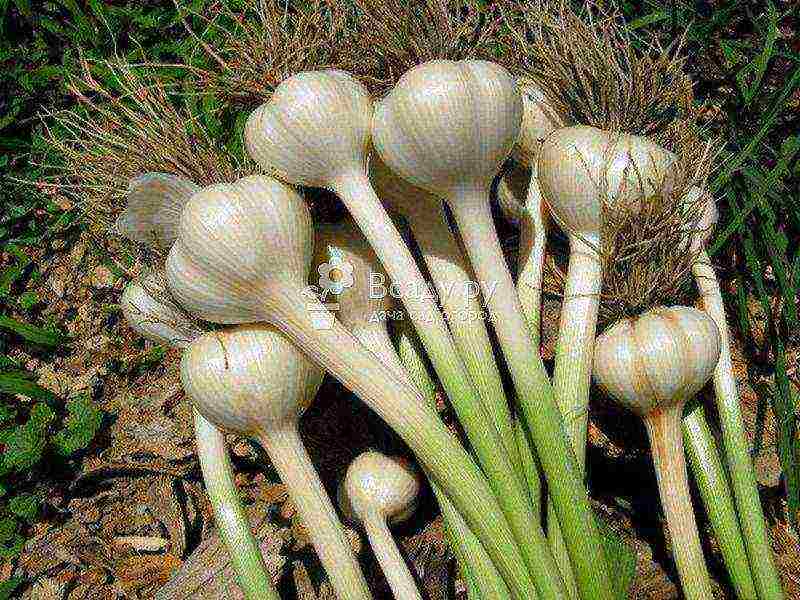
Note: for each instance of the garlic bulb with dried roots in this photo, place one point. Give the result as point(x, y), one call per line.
point(735, 440)
point(243, 255)
point(652, 365)
point(377, 491)
point(315, 131)
point(252, 381)
point(447, 127)
point(151, 311)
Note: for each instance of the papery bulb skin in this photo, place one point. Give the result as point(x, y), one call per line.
point(657, 360)
point(150, 311)
point(376, 484)
point(154, 205)
point(235, 241)
point(447, 126)
point(314, 129)
point(342, 250)
point(539, 120)
point(581, 167)
point(249, 379)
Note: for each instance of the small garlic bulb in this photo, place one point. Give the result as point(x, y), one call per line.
point(155, 203)
point(660, 359)
point(379, 485)
point(148, 308)
point(314, 129)
point(448, 126)
point(580, 167)
point(235, 241)
point(539, 120)
point(249, 379)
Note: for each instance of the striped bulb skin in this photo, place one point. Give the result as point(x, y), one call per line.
point(662, 358)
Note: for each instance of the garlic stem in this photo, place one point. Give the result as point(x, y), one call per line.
point(737, 452)
point(403, 409)
point(666, 442)
point(713, 484)
point(530, 466)
point(573, 364)
point(391, 561)
point(533, 237)
point(534, 395)
point(481, 577)
point(295, 469)
point(229, 515)
point(385, 240)
point(451, 276)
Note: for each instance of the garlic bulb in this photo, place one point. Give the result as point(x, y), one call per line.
point(378, 489)
point(314, 130)
point(250, 234)
point(659, 360)
point(251, 380)
point(448, 126)
point(652, 365)
point(583, 168)
point(155, 202)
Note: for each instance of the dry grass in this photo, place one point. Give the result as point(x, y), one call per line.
point(113, 135)
point(399, 35)
point(253, 49)
point(592, 72)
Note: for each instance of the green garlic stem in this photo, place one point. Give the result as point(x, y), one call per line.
point(482, 579)
point(573, 366)
point(451, 276)
point(533, 237)
point(392, 564)
point(234, 528)
point(535, 397)
point(430, 325)
point(716, 495)
point(735, 442)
